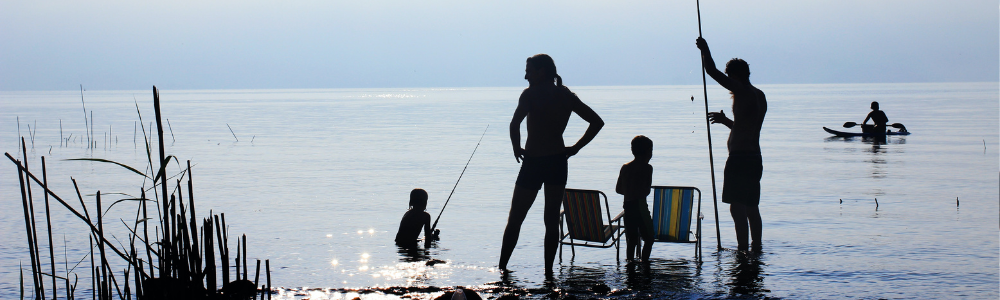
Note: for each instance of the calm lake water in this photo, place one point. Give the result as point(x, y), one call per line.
point(318, 180)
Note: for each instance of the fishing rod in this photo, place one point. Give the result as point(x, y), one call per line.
point(708, 127)
point(459, 179)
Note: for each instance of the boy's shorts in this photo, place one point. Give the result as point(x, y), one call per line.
point(742, 178)
point(638, 222)
point(544, 169)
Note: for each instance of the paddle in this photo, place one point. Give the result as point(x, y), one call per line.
point(894, 125)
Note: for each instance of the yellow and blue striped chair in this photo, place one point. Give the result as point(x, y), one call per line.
point(584, 221)
point(672, 215)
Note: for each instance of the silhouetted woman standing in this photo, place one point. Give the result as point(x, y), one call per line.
point(547, 105)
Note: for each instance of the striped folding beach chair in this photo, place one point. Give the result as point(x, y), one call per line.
point(672, 215)
point(584, 221)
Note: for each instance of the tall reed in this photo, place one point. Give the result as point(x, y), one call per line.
point(180, 263)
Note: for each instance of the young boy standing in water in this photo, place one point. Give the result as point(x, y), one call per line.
point(413, 220)
point(634, 182)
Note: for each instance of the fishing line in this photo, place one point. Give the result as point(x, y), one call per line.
point(459, 179)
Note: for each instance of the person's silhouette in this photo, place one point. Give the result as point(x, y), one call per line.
point(414, 220)
point(744, 167)
point(878, 117)
point(547, 105)
point(634, 181)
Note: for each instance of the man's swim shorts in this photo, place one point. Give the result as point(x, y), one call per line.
point(742, 178)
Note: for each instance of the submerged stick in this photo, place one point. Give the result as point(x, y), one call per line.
point(708, 129)
point(171, 131)
point(86, 122)
point(231, 131)
point(459, 179)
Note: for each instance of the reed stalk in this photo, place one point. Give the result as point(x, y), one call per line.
point(245, 257)
point(171, 131)
point(48, 222)
point(86, 121)
point(238, 253)
point(256, 279)
point(210, 280)
point(100, 246)
point(27, 227)
point(163, 187)
point(267, 267)
point(93, 271)
point(185, 253)
point(34, 229)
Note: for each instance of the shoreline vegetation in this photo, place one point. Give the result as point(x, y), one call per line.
point(180, 262)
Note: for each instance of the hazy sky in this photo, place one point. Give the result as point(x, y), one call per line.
point(57, 45)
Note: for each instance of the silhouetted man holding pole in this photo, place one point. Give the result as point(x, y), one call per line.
point(741, 188)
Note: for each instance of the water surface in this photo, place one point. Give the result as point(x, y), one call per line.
point(318, 180)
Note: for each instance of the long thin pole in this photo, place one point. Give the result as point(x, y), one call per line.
point(708, 129)
point(459, 179)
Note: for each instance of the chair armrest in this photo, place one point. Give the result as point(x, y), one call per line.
point(618, 217)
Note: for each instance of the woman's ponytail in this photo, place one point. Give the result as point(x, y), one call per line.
point(544, 62)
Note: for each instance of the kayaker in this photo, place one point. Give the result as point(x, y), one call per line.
point(744, 167)
point(878, 117)
point(547, 105)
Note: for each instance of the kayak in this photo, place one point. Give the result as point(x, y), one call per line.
point(850, 134)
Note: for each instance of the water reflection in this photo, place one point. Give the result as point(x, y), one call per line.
point(413, 254)
point(745, 275)
point(878, 150)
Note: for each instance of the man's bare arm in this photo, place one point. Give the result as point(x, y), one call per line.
point(709, 64)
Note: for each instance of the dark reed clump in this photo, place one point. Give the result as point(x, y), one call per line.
point(179, 262)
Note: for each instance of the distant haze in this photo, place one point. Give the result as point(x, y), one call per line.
point(108, 45)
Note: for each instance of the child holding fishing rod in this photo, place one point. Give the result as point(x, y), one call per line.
point(414, 220)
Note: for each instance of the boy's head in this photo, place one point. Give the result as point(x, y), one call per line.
point(642, 146)
point(418, 199)
point(874, 105)
point(737, 68)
